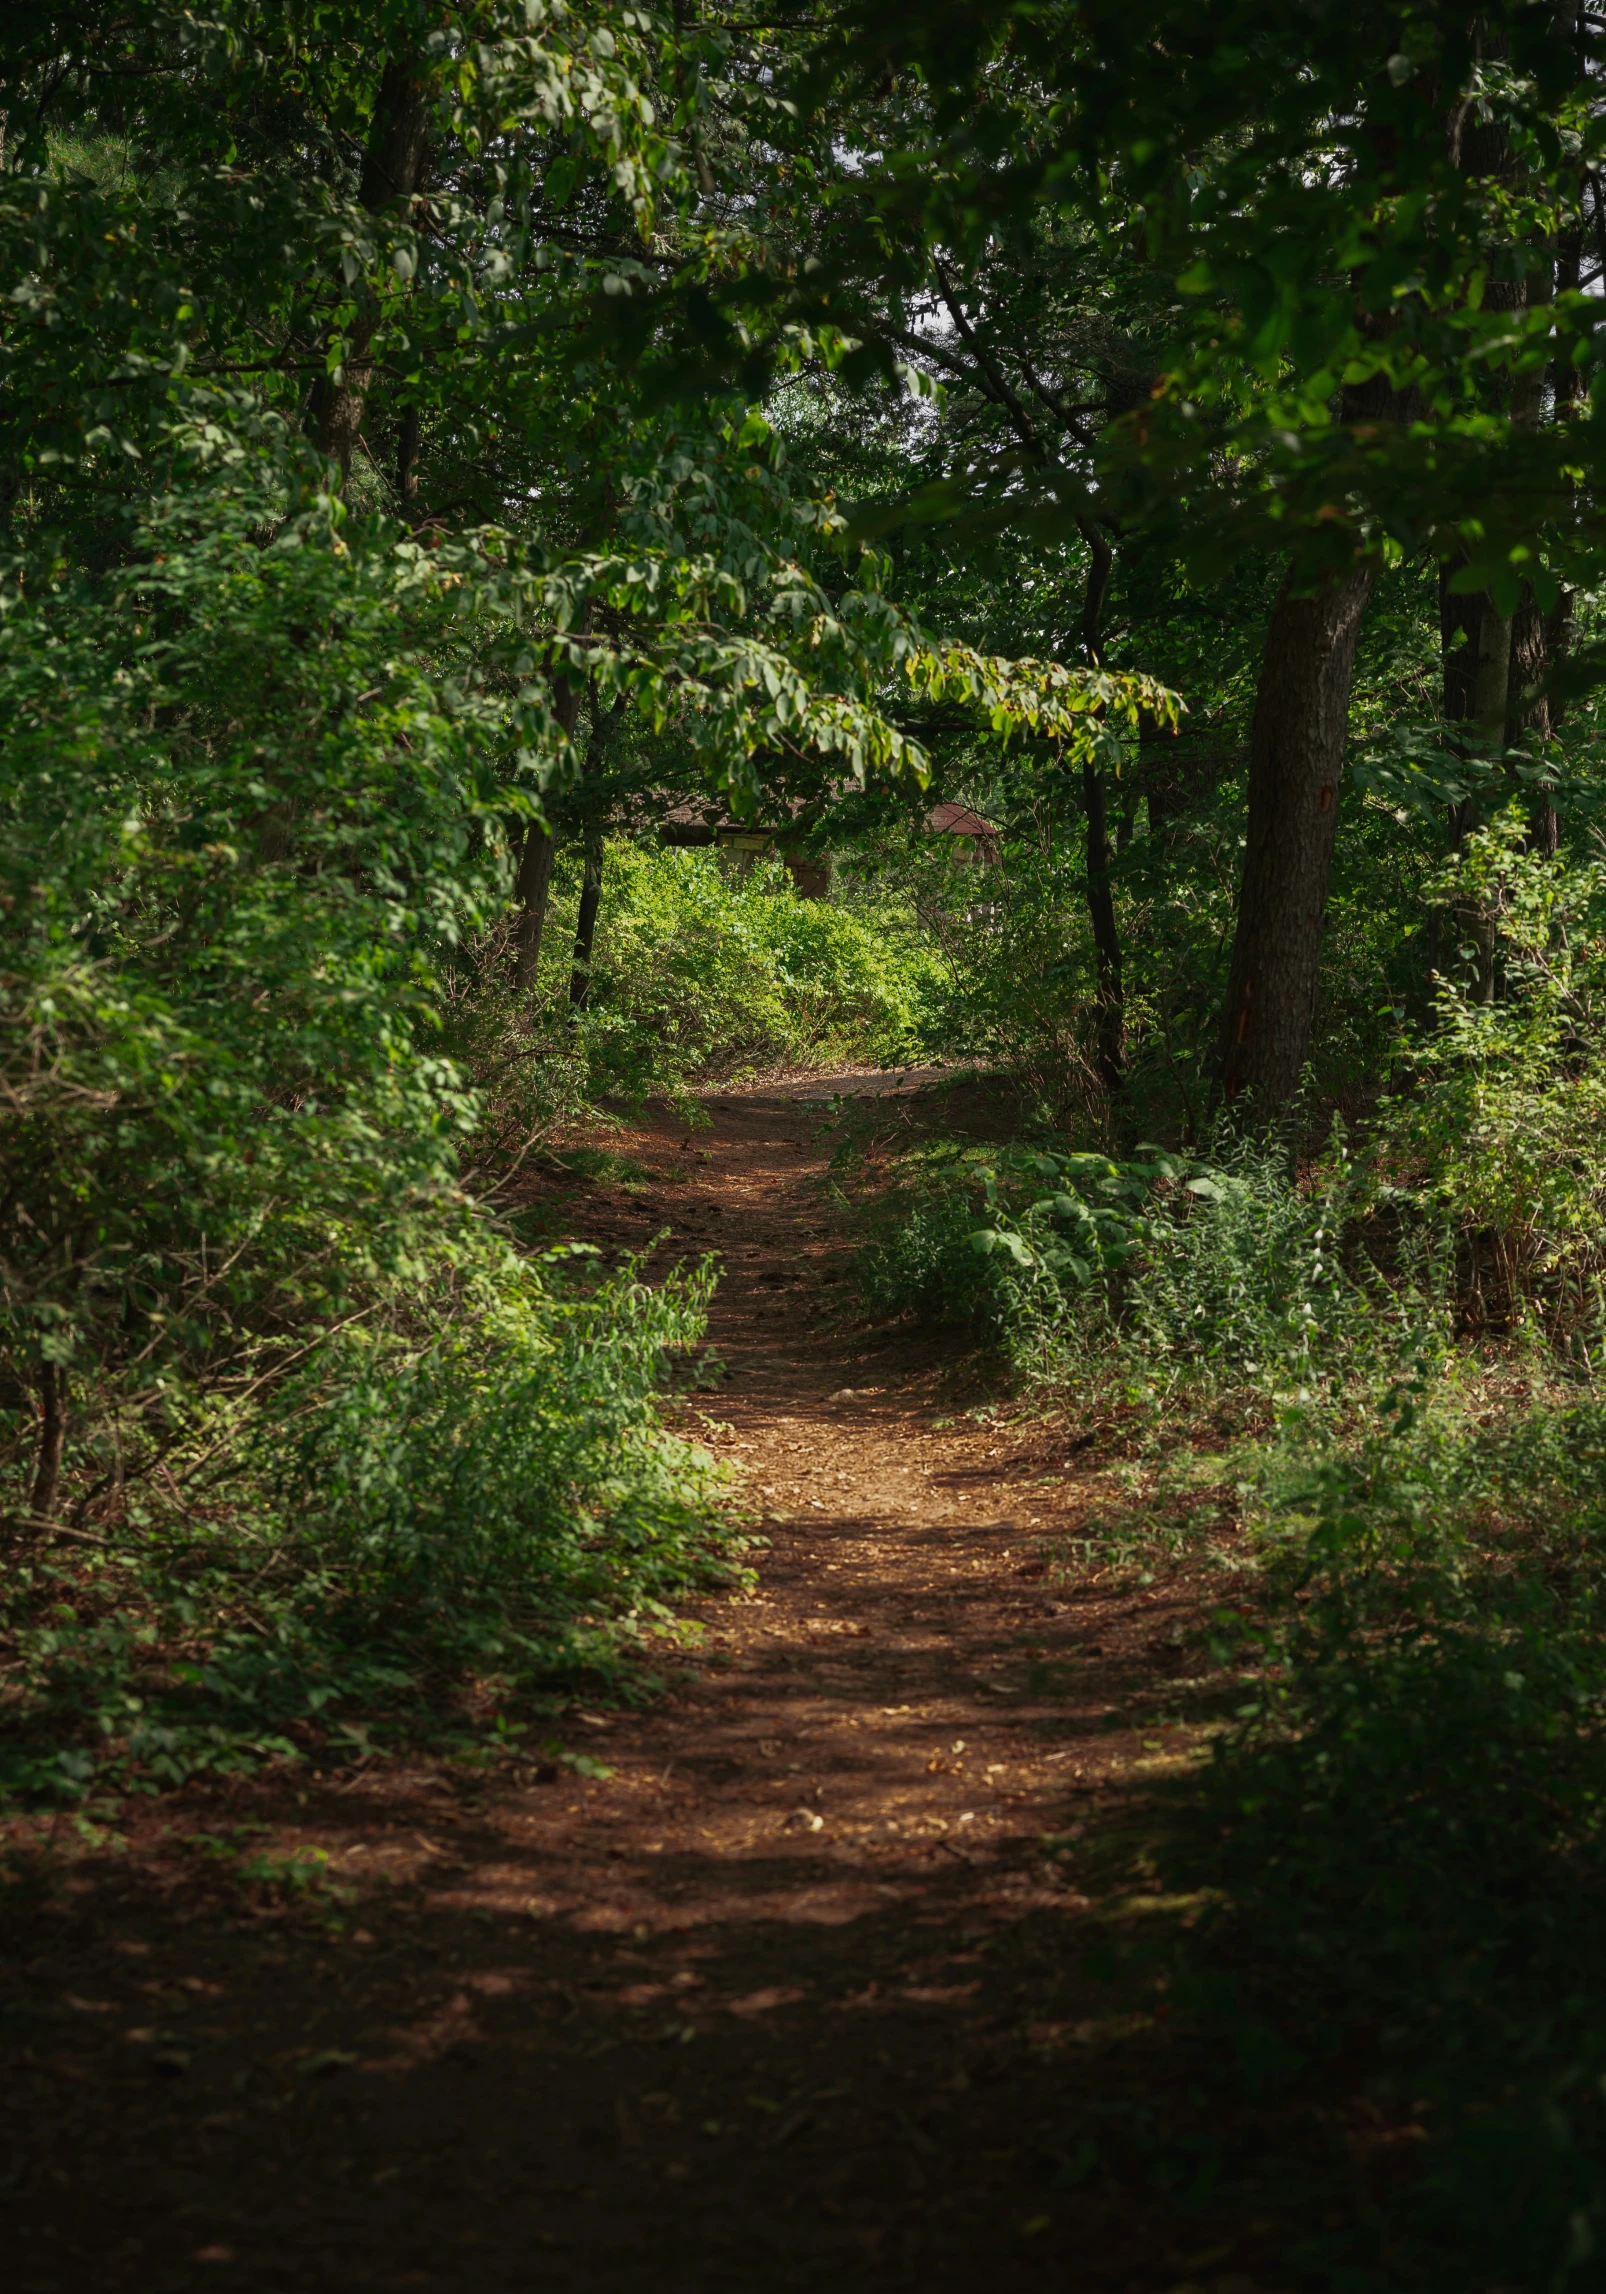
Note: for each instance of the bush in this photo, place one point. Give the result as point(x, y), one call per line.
point(274, 1382)
point(1497, 1132)
point(431, 1525)
point(1404, 1833)
point(1214, 1275)
point(704, 974)
point(698, 975)
point(222, 875)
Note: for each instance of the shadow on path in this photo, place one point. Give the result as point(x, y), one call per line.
point(797, 1996)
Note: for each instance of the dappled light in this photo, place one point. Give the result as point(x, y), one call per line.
point(803, 1146)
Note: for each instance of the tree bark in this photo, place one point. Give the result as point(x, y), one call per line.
point(586, 929)
point(1296, 762)
point(1111, 1014)
point(535, 863)
point(1296, 767)
point(591, 883)
point(534, 889)
point(393, 169)
point(1540, 642)
point(52, 1442)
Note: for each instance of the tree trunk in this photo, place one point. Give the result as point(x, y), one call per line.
point(586, 929)
point(1106, 935)
point(393, 169)
point(535, 863)
point(534, 888)
point(1111, 1017)
point(591, 884)
point(1540, 642)
point(407, 440)
point(1296, 762)
point(52, 1441)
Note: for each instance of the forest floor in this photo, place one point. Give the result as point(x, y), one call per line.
point(827, 1984)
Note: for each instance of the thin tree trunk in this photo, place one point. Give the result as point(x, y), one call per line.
point(1296, 763)
point(52, 1441)
point(1111, 1022)
point(534, 888)
point(586, 929)
point(393, 169)
point(535, 863)
point(407, 441)
point(591, 883)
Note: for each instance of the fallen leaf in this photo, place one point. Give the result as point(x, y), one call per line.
point(760, 2002)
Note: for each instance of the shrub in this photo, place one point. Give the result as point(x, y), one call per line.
point(1218, 1274)
point(698, 975)
point(1497, 1131)
point(444, 1514)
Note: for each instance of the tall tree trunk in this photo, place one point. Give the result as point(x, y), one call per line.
point(392, 172)
point(52, 1442)
point(1111, 1020)
point(1296, 768)
point(591, 883)
point(586, 929)
point(407, 441)
point(533, 891)
point(535, 862)
point(1296, 763)
point(1540, 642)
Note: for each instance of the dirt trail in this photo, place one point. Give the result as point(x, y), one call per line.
point(794, 1999)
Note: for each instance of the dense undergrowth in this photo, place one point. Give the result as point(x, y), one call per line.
point(294, 1437)
point(446, 1528)
point(392, 552)
point(1379, 1366)
point(700, 973)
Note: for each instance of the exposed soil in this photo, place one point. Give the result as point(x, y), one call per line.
point(804, 1995)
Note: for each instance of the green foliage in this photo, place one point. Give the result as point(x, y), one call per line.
point(1407, 1841)
point(355, 529)
point(423, 1527)
point(1499, 1132)
point(699, 974)
point(1055, 1230)
point(227, 1113)
point(1197, 1278)
point(275, 727)
point(704, 973)
point(512, 1447)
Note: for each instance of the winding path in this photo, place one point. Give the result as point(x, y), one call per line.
point(794, 1998)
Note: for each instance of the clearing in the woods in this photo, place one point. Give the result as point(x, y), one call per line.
point(800, 1979)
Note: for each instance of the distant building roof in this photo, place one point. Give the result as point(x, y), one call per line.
point(958, 820)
